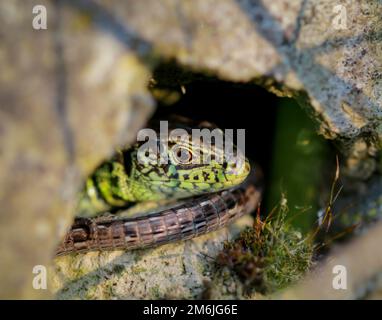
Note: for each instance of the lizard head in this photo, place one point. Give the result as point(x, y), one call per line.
point(186, 163)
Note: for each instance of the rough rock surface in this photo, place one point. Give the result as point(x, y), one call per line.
point(328, 56)
point(71, 93)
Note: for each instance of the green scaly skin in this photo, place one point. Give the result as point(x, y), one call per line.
point(123, 181)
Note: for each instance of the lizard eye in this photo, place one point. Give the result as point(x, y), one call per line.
point(182, 155)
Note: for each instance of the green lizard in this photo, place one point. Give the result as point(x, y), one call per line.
point(124, 180)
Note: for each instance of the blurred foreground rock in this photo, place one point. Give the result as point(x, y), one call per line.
point(71, 93)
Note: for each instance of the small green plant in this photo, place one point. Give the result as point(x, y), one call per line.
point(270, 255)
